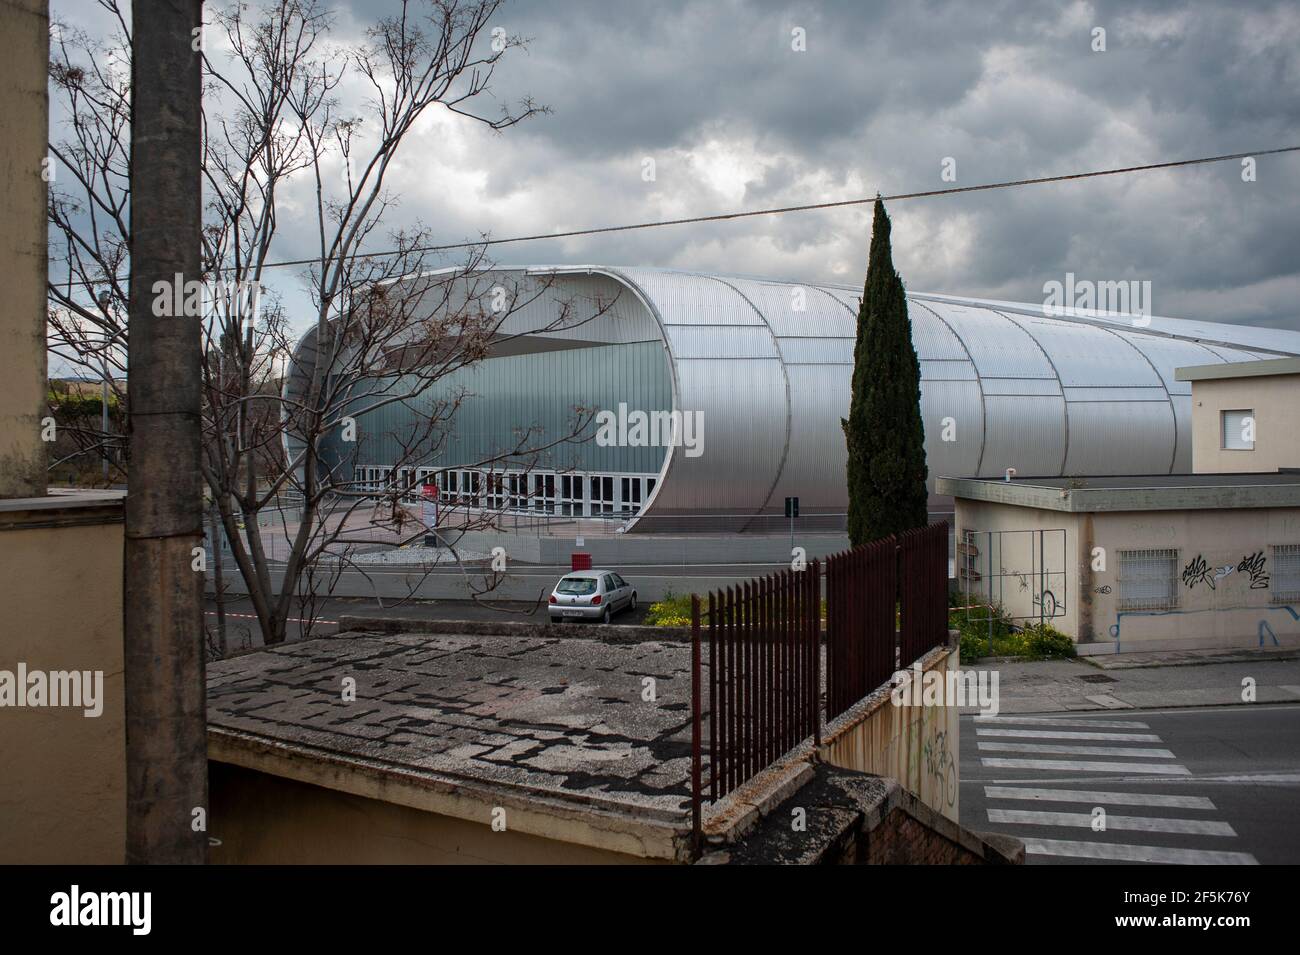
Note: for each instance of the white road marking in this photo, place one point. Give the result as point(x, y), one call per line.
point(1025, 817)
point(1085, 766)
point(1054, 721)
point(1118, 852)
point(1068, 750)
point(1096, 798)
point(1069, 734)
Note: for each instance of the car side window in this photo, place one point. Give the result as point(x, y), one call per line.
point(619, 581)
point(609, 582)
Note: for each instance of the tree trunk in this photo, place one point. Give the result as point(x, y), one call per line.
point(218, 576)
point(166, 744)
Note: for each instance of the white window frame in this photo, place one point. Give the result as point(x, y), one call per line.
point(1242, 415)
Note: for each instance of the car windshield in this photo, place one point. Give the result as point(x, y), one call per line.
point(577, 585)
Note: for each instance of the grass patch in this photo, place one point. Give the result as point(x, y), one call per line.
point(673, 611)
point(1030, 641)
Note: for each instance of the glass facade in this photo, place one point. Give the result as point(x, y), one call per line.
point(515, 433)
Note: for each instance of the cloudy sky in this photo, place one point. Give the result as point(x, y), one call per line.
point(735, 118)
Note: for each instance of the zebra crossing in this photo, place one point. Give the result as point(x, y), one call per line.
point(1047, 752)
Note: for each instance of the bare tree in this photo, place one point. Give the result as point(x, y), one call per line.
point(387, 329)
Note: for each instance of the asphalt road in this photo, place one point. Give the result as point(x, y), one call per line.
point(1217, 784)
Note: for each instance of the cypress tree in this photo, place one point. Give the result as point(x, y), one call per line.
point(884, 433)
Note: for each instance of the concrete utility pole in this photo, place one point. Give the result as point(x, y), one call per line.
point(166, 732)
point(24, 120)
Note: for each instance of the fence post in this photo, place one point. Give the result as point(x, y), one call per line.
point(816, 616)
point(696, 794)
point(713, 696)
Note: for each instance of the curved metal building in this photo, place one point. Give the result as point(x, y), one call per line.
point(765, 367)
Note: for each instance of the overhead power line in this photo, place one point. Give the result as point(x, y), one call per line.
point(782, 210)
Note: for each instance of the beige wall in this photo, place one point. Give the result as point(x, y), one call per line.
point(917, 745)
point(24, 124)
point(265, 819)
point(1275, 400)
point(1016, 560)
point(1228, 614)
point(62, 774)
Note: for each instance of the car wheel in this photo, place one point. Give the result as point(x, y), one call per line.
point(632, 603)
point(608, 616)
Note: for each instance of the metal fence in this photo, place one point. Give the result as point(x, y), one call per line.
point(860, 597)
point(922, 591)
point(764, 676)
point(886, 605)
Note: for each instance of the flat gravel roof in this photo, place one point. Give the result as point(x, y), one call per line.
point(559, 717)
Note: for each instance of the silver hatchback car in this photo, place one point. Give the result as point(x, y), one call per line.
point(590, 595)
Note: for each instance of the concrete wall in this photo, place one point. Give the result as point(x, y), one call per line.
point(1216, 608)
point(917, 745)
point(859, 819)
point(259, 818)
point(62, 774)
point(24, 130)
point(1275, 400)
point(1006, 569)
point(1223, 573)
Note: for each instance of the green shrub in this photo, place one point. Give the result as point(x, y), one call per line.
point(1045, 642)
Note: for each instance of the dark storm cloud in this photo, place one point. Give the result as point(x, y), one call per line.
point(734, 118)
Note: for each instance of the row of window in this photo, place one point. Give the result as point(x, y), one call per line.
point(1154, 579)
point(539, 492)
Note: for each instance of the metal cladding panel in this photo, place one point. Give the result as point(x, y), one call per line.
point(742, 408)
point(850, 300)
point(1249, 338)
point(1235, 354)
point(814, 466)
point(998, 346)
point(1182, 405)
point(948, 370)
point(1120, 437)
point(522, 302)
point(961, 401)
point(1168, 354)
point(1113, 394)
point(779, 304)
point(772, 381)
point(931, 337)
point(816, 351)
point(1020, 386)
point(682, 298)
point(732, 341)
point(1025, 433)
point(1088, 356)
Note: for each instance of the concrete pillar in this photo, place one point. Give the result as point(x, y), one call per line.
point(24, 131)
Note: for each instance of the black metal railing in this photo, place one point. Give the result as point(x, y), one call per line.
point(886, 605)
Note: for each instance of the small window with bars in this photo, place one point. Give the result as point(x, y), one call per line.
point(1238, 430)
point(1286, 573)
point(1148, 579)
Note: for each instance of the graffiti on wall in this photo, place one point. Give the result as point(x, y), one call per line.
point(939, 767)
point(1253, 564)
point(1199, 571)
